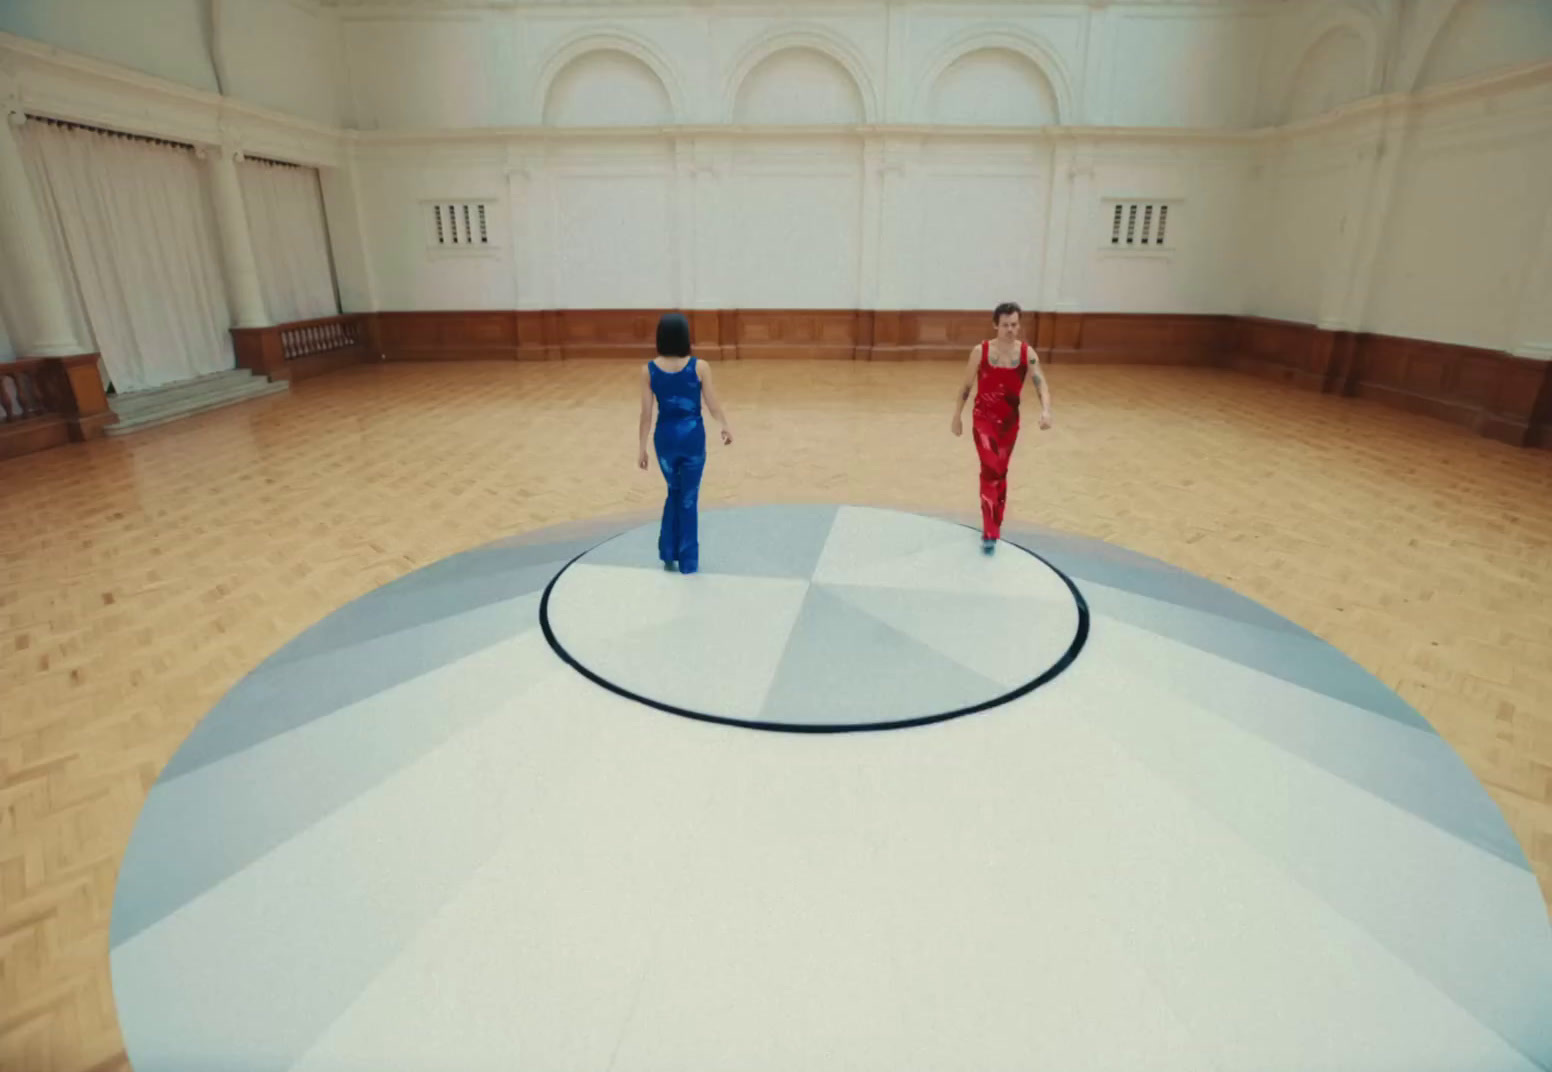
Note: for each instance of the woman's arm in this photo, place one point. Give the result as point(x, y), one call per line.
point(645, 429)
point(972, 369)
point(713, 403)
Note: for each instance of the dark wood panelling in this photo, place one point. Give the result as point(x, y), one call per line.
point(305, 368)
point(259, 351)
point(481, 335)
point(34, 434)
point(930, 334)
point(1488, 391)
point(785, 334)
point(607, 333)
point(1506, 398)
point(1139, 339)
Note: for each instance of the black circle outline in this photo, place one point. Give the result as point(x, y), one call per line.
point(1079, 639)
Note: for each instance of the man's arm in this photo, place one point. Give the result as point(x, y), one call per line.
point(971, 369)
point(1037, 379)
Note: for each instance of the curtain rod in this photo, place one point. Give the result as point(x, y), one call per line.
point(71, 125)
point(68, 125)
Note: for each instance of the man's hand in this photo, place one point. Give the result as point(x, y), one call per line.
point(958, 426)
point(1045, 420)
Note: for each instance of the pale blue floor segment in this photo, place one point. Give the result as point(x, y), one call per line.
point(420, 600)
point(1301, 658)
point(419, 837)
point(1118, 568)
point(999, 637)
point(844, 666)
point(1435, 901)
point(1413, 769)
point(274, 699)
point(201, 828)
point(750, 541)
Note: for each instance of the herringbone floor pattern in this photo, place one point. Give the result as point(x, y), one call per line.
point(141, 577)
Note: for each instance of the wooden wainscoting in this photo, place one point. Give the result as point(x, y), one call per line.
point(1134, 338)
point(475, 335)
point(1493, 393)
point(930, 334)
point(805, 334)
point(1506, 398)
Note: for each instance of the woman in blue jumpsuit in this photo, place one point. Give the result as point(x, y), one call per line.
point(676, 380)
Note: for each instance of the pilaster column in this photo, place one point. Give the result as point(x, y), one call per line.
point(1057, 218)
point(868, 264)
point(1388, 150)
point(242, 271)
point(684, 221)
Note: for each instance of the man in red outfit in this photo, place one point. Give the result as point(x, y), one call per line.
point(997, 372)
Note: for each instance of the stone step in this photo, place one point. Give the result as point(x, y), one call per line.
point(130, 405)
point(174, 406)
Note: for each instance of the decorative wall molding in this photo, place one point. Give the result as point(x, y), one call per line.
point(815, 37)
point(1010, 38)
point(607, 38)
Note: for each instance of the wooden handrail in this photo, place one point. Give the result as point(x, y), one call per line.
point(45, 401)
point(269, 351)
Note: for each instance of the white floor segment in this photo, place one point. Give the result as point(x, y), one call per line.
point(1158, 855)
point(538, 960)
point(900, 618)
point(271, 955)
point(703, 642)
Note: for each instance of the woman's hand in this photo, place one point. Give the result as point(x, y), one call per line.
point(727, 437)
point(641, 458)
point(959, 425)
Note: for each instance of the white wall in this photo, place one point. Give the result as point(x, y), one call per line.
point(693, 203)
point(1298, 212)
point(1465, 225)
point(281, 54)
point(877, 155)
point(1125, 64)
point(395, 187)
point(1430, 218)
point(1480, 36)
point(166, 38)
point(286, 55)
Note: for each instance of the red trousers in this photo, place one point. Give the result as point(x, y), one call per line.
point(994, 440)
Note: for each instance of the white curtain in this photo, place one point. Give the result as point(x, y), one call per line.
point(139, 240)
point(290, 240)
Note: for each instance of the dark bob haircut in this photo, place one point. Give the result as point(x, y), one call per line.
point(673, 335)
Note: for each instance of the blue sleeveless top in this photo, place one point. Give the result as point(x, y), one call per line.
point(678, 393)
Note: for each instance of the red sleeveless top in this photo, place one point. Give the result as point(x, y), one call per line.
point(998, 390)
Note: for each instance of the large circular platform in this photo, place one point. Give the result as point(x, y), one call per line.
point(818, 619)
point(417, 837)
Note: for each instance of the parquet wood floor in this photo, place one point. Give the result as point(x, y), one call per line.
point(141, 577)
